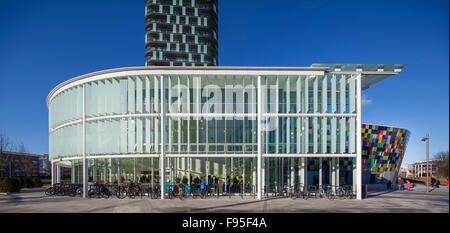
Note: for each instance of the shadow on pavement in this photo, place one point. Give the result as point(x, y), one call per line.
point(232, 205)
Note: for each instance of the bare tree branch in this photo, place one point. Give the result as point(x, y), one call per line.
point(442, 164)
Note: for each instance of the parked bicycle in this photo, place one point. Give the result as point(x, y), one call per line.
point(99, 191)
point(62, 190)
point(176, 190)
point(299, 192)
point(328, 192)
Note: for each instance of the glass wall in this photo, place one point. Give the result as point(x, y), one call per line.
point(313, 134)
point(234, 175)
point(119, 171)
point(209, 115)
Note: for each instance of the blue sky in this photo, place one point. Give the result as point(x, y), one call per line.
point(43, 43)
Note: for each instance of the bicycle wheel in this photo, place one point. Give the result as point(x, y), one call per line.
point(73, 192)
point(49, 191)
point(340, 193)
point(350, 194)
point(330, 196)
point(131, 193)
point(156, 193)
point(106, 193)
point(90, 193)
point(121, 194)
point(181, 195)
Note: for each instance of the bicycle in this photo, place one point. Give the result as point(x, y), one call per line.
point(120, 191)
point(328, 192)
point(134, 191)
point(71, 190)
point(348, 192)
point(155, 192)
point(340, 192)
point(313, 191)
point(51, 190)
point(176, 191)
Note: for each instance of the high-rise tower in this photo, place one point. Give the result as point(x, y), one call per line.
point(181, 32)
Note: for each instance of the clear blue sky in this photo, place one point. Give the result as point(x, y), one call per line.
point(43, 43)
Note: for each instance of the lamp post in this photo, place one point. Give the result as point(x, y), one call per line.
point(427, 170)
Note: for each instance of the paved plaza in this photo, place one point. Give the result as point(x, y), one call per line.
point(418, 201)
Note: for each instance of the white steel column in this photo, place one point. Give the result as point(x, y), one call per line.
point(52, 172)
point(58, 174)
point(259, 135)
point(358, 139)
point(85, 172)
point(162, 166)
point(72, 172)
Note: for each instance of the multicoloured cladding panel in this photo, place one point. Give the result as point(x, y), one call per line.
point(383, 147)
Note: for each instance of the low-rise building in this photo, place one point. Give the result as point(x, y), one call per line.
point(419, 169)
point(14, 164)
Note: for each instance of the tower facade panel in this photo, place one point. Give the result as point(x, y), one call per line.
point(181, 32)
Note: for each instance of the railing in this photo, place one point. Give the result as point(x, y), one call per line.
point(179, 51)
point(200, 33)
point(170, 3)
point(182, 60)
point(192, 42)
point(187, 13)
point(181, 23)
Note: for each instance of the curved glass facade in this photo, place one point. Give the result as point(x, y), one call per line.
point(265, 127)
point(206, 115)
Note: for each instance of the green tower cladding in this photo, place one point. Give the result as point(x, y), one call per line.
point(181, 32)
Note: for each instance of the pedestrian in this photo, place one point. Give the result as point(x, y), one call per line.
point(315, 180)
point(400, 184)
point(409, 185)
point(388, 185)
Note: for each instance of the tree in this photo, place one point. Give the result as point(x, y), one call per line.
point(5, 145)
point(26, 161)
point(442, 164)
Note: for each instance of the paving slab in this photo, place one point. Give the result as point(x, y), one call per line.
point(418, 201)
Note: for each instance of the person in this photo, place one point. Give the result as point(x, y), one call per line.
point(409, 185)
point(437, 183)
point(167, 188)
point(209, 179)
point(388, 185)
point(202, 186)
point(400, 184)
point(186, 188)
point(235, 183)
point(447, 182)
point(224, 187)
point(433, 181)
point(315, 180)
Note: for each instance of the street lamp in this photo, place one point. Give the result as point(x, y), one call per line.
point(428, 140)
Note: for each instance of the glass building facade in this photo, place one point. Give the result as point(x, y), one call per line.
point(181, 32)
point(266, 127)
